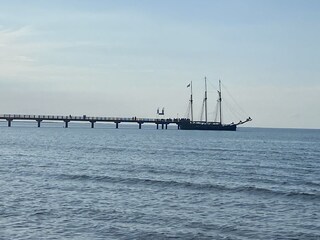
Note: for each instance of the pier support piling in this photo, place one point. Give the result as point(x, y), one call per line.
point(166, 125)
point(157, 126)
point(162, 126)
point(39, 122)
point(66, 123)
point(92, 124)
point(117, 125)
point(140, 124)
point(9, 122)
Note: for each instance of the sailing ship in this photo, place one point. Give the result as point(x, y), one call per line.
point(190, 124)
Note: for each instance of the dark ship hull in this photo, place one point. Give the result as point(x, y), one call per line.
point(187, 125)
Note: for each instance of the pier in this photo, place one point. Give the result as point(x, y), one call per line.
point(163, 123)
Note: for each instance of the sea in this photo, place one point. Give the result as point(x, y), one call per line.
point(130, 183)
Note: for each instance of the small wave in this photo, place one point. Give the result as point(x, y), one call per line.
point(145, 181)
point(80, 177)
point(265, 191)
point(312, 183)
point(189, 185)
point(305, 195)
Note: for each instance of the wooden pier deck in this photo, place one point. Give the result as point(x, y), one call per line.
point(66, 119)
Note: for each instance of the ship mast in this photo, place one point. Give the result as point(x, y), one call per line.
point(191, 103)
point(205, 100)
point(220, 101)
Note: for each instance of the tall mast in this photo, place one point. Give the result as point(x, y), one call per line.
point(191, 103)
point(205, 100)
point(220, 101)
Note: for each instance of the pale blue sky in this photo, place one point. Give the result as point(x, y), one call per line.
point(126, 58)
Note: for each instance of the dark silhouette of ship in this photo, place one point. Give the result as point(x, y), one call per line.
point(189, 124)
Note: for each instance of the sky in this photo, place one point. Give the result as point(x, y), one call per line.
point(127, 58)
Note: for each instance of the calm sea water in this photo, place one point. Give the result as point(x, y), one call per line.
point(105, 183)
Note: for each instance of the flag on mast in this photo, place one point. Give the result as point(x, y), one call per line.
point(188, 85)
